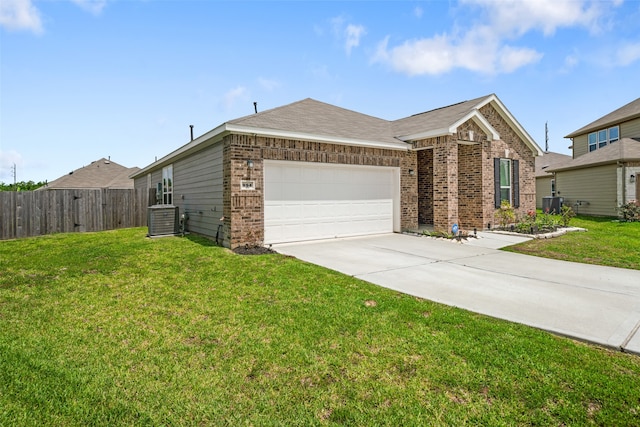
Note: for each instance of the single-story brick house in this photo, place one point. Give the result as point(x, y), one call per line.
point(311, 170)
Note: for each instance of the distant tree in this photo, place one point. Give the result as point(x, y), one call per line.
point(21, 186)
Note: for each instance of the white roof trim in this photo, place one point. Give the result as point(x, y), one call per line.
point(229, 128)
point(400, 145)
point(506, 114)
point(428, 134)
point(182, 150)
point(481, 121)
point(451, 130)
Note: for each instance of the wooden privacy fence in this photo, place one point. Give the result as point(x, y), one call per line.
point(34, 213)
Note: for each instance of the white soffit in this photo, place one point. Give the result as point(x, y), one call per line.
point(400, 145)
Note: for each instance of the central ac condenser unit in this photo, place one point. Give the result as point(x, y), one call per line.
point(162, 220)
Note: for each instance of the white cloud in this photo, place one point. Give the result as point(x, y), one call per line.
point(520, 16)
point(93, 6)
point(353, 34)
point(268, 84)
point(16, 15)
point(234, 95)
point(487, 47)
point(628, 54)
point(511, 58)
point(417, 12)
point(570, 62)
point(349, 33)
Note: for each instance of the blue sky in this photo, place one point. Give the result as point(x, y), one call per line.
point(81, 79)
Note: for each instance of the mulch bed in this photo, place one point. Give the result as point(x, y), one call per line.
point(253, 250)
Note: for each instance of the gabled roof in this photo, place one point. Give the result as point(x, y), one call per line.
point(624, 150)
point(311, 119)
point(445, 120)
point(438, 121)
point(622, 114)
point(548, 161)
point(102, 173)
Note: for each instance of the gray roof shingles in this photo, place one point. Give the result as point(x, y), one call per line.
point(548, 161)
point(624, 150)
point(622, 114)
point(435, 119)
point(102, 173)
point(318, 118)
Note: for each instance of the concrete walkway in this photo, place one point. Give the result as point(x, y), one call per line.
point(587, 302)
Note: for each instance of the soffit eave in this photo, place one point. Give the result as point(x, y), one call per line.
point(303, 136)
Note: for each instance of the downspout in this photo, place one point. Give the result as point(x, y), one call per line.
point(624, 184)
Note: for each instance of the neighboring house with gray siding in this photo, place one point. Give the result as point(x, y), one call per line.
point(545, 181)
point(603, 173)
point(311, 170)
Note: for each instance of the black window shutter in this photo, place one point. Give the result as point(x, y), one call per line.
point(496, 181)
point(516, 183)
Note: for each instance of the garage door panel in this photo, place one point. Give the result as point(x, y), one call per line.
point(306, 201)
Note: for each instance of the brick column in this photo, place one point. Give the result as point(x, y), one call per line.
point(445, 184)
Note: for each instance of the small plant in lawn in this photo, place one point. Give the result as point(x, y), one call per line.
point(566, 214)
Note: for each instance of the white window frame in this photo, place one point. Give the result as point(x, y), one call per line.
point(601, 138)
point(611, 139)
point(509, 176)
point(167, 185)
point(593, 141)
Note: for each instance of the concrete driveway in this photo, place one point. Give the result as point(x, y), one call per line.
point(586, 302)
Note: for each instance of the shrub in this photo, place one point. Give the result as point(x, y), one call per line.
point(506, 214)
point(566, 214)
point(630, 211)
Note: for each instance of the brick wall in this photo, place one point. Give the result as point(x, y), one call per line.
point(470, 191)
point(425, 186)
point(445, 184)
point(513, 147)
point(244, 209)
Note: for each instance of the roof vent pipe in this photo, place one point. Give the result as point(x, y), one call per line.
point(255, 107)
point(191, 127)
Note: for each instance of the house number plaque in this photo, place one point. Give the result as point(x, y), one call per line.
point(247, 185)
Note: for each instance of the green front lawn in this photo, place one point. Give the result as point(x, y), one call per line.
point(113, 328)
point(607, 242)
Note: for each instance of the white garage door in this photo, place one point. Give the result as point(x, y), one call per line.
point(306, 201)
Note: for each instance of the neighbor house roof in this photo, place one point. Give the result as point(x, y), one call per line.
point(622, 114)
point(102, 173)
point(313, 120)
point(624, 150)
point(548, 161)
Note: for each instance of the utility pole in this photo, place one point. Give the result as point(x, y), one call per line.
point(546, 137)
point(13, 170)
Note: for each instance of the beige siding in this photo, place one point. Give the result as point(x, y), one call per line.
point(580, 145)
point(140, 183)
point(630, 129)
point(595, 187)
point(197, 189)
point(543, 189)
